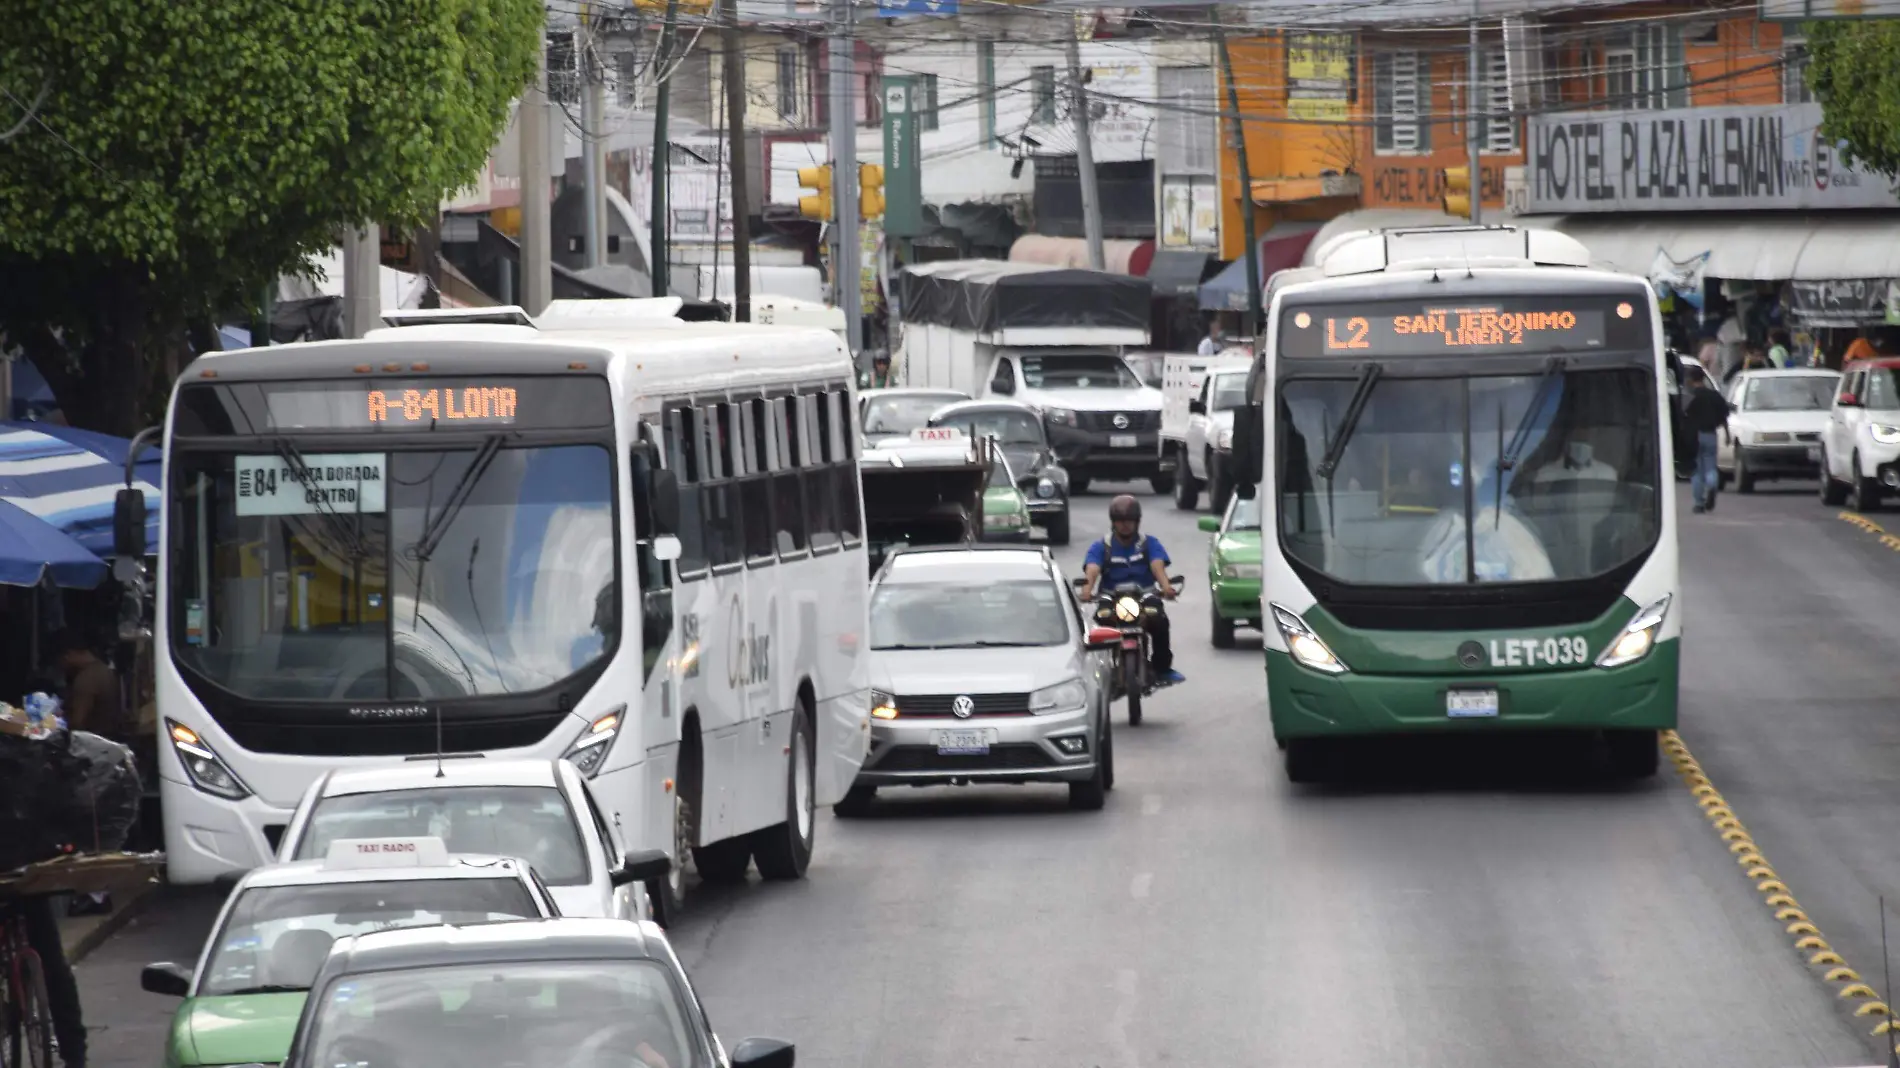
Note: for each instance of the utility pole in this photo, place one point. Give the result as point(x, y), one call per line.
point(593, 148)
point(847, 285)
point(657, 270)
point(1256, 320)
point(535, 286)
point(1085, 156)
point(735, 160)
point(1471, 120)
point(362, 281)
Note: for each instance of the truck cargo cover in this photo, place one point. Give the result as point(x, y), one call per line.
point(989, 295)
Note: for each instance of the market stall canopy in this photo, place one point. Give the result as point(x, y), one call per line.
point(68, 479)
point(31, 550)
point(1177, 272)
point(990, 295)
point(1759, 246)
point(1118, 256)
point(1284, 245)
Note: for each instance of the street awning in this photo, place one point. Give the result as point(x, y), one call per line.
point(1177, 272)
point(1283, 246)
point(1759, 246)
point(1118, 256)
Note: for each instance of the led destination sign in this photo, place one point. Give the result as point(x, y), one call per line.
point(1473, 328)
point(474, 404)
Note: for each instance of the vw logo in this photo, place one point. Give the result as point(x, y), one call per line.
point(1471, 655)
point(963, 707)
point(1120, 421)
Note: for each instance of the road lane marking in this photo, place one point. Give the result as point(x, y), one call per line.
point(1887, 538)
point(1808, 941)
point(1139, 888)
point(1150, 804)
point(1127, 985)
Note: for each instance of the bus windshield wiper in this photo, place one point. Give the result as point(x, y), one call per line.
point(1508, 456)
point(438, 526)
point(1361, 393)
point(350, 534)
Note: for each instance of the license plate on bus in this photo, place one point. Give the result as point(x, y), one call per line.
point(1471, 704)
point(1123, 441)
point(963, 743)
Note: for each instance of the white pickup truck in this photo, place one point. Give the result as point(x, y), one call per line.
point(1198, 398)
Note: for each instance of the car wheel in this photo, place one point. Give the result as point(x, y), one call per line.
point(783, 851)
point(1744, 478)
point(1219, 486)
point(1162, 481)
point(1223, 628)
point(1307, 760)
point(1633, 754)
point(856, 802)
point(1058, 529)
point(1092, 793)
point(1866, 490)
point(1833, 494)
point(1187, 488)
point(669, 894)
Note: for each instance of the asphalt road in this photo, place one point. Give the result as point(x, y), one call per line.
point(1450, 906)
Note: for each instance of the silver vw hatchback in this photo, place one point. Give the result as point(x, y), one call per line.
point(983, 671)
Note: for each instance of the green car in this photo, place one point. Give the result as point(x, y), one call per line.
point(1233, 568)
point(1005, 509)
point(243, 1000)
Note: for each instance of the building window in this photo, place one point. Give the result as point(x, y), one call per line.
point(790, 86)
point(1644, 69)
point(986, 89)
point(692, 95)
point(926, 101)
point(1400, 95)
point(1042, 94)
point(1794, 70)
point(1187, 138)
point(1497, 134)
point(564, 83)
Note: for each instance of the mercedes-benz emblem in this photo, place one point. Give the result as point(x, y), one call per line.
point(1471, 655)
point(1120, 421)
point(963, 707)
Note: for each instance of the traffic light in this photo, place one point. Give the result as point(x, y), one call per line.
point(870, 190)
point(1458, 192)
point(818, 205)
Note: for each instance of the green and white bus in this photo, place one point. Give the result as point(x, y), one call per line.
point(1465, 439)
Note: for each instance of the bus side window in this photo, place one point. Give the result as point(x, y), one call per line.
point(725, 534)
point(821, 498)
point(845, 470)
point(756, 483)
point(787, 491)
point(683, 457)
point(656, 586)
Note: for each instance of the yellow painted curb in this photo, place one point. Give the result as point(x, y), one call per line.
point(1803, 927)
point(1874, 1008)
point(1783, 899)
point(1858, 990)
point(1813, 941)
point(1827, 956)
point(1792, 914)
point(1842, 975)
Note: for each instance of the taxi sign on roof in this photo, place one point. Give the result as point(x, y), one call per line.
point(937, 433)
point(387, 853)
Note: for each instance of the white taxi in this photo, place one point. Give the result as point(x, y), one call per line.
point(540, 810)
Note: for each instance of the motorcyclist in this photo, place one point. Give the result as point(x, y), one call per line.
point(1125, 556)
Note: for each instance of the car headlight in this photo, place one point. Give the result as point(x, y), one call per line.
point(1306, 646)
point(883, 705)
point(1638, 637)
point(1062, 697)
point(1045, 488)
point(207, 771)
point(1240, 571)
point(1127, 609)
point(1059, 416)
point(1886, 435)
point(589, 752)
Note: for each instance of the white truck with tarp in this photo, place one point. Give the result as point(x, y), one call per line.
point(1199, 395)
point(1050, 337)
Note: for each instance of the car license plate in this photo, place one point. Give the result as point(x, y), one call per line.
point(1470, 704)
point(963, 743)
point(1123, 441)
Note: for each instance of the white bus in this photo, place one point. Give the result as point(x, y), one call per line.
point(605, 534)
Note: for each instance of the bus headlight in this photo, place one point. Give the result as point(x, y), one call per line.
point(1062, 697)
point(1306, 646)
point(589, 752)
point(1638, 638)
point(206, 770)
point(1127, 609)
point(1886, 435)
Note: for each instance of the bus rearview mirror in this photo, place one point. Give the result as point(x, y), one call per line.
point(128, 523)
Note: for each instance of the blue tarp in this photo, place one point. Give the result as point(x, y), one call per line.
point(30, 548)
point(69, 479)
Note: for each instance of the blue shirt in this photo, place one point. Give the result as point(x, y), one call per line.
point(1122, 562)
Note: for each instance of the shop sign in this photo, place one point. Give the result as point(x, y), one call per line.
point(1714, 158)
point(1190, 212)
point(1319, 76)
point(1843, 302)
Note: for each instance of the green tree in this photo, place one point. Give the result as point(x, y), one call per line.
point(163, 161)
point(1854, 70)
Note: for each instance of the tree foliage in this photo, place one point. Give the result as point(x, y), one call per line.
point(184, 153)
point(1854, 70)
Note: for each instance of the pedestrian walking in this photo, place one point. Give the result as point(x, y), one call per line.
point(1778, 352)
point(1707, 414)
point(1212, 343)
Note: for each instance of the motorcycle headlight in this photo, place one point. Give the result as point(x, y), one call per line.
point(883, 705)
point(1059, 416)
point(1638, 637)
point(589, 752)
point(207, 771)
point(1240, 571)
point(1306, 646)
point(1062, 697)
point(1045, 488)
point(1886, 435)
point(1127, 609)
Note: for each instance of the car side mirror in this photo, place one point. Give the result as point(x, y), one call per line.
point(171, 980)
point(1210, 524)
point(642, 865)
point(762, 1053)
point(1196, 407)
point(1004, 386)
point(1104, 638)
point(666, 548)
point(128, 523)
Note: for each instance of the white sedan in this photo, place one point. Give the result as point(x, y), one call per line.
point(539, 810)
point(1775, 428)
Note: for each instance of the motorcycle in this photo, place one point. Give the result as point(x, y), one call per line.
point(1129, 610)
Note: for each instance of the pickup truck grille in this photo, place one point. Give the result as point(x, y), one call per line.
point(1106, 421)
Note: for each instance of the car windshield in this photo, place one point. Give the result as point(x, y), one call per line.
point(1803, 393)
point(595, 1013)
point(373, 584)
point(1000, 475)
point(1246, 514)
point(901, 413)
point(530, 822)
point(1078, 372)
point(966, 615)
point(1580, 499)
point(1008, 427)
point(1883, 390)
point(276, 937)
point(1230, 391)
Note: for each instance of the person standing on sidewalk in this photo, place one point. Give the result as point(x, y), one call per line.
point(1707, 413)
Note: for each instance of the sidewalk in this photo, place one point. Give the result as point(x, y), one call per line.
point(83, 934)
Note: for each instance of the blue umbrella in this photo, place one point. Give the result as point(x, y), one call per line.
point(70, 478)
point(29, 549)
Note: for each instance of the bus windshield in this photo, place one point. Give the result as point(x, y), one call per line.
point(1555, 475)
point(438, 573)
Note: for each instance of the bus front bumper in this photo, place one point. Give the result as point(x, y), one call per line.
point(1308, 704)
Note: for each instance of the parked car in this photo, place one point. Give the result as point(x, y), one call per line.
point(1775, 428)
point(1233, 568)
point(889, 415)
point(1860, 446)
point(1018, 429)
point(982, 670)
